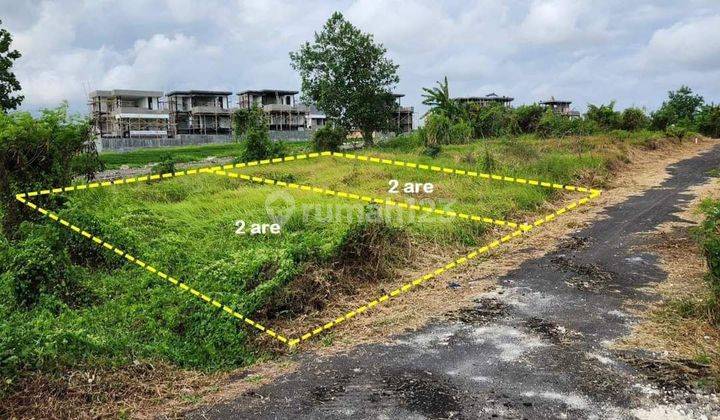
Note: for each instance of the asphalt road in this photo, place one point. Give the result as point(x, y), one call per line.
point(537, 346)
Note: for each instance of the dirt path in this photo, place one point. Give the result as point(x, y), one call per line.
point(539, 345)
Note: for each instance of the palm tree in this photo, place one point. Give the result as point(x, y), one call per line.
point(440, 102)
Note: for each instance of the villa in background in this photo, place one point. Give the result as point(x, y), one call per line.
point(560, 107)
point(283, 111)
point(128, 113)
point(199, 112)
point(486, 100)
point(403, 120)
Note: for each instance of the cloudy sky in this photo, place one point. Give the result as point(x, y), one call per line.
point(631, 51)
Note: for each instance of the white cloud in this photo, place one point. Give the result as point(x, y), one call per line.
point(586, 51)
point(690, 44)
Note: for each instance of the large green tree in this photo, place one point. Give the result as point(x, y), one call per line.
point(348, 76)
point(8, 81)
point(680, 108)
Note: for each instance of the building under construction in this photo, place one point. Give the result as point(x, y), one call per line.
point(280, 106)
point(560, 107)
point(199, 112)
point(403, 118)
point(486, 100)
point(128, 113)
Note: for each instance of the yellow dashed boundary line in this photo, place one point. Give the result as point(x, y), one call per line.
point(194, 171)
point(368, 199)
point(449, 266)
point(179, 284)
point(223, 170)
point(456, 171)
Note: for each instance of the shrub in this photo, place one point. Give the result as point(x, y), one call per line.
point(492, 120)
point(329, 137)
point(460, 133)
point(437, 129)
point(550, 125)
point(708, 120)
point(528, 117)
point(605, 116)
point(38, 264)
point(38, 152)
point(634, 119)
point(709, 237)
point(432, 150)
point(676, 132)
point(246, 119)
point(257, 145)
point(165, 166)
point(553, 125)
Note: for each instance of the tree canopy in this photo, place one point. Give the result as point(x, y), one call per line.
point(8, 81)
point(348, 76)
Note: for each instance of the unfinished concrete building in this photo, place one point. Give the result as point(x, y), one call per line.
point(128, 113)
point(403, 116)
point(199, 112)
point(283, 111)
point(560, 107)
point(486, 100)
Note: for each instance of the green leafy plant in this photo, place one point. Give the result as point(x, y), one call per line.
point(528, 117)
point(604, 116)
point(328, 137)
point(439, 100)
point(36, 153)
point(634, 119)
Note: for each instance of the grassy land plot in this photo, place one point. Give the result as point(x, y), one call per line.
point(142, 157)
point(186, 227)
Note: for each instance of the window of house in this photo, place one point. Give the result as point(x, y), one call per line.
point(149, 102)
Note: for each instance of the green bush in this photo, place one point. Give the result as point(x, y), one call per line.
point(460, 133)
point(634, 119)
point(39, 152)
point(708, 120)
point(436, 130)
point(553, 125)
point(492, 120)
point(676, 132)
point(709, 237)
point(37, 265)
point(328, 138)
point(604, 116)
point(165, 166)
point(528, 117)
point(246, 119)
point(258, 146)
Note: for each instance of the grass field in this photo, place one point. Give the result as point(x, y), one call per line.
point(186, 226)
point(142, 157)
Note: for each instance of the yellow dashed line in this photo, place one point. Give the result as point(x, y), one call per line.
point(153, 270)
point(520, 228)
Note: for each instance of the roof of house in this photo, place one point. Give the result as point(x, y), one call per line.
point(268, 91)
point(199, 93)
point(127, 93)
